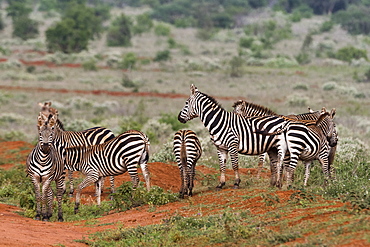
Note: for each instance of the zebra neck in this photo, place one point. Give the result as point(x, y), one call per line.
point(212, 116)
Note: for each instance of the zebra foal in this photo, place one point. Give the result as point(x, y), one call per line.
point(44, 164)
point(114, 157)
point(187, 150)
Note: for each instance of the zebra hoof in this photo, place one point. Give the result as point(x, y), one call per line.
point(60, 219)
point(236, 186)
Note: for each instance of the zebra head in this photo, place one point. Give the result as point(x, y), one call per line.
point(46, 128)
point(330, 128)
point(188, 112)
point(240, 107)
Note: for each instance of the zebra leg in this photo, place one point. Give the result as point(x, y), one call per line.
point(98, 186)
point(222, 157)
point(261, 159)
point(191, 180)
point(290, 170)
point(235, 165)
point(70, 178)
point(307, 166)
point(89, 179)
point(60, 191)
point(146, 174)
point(46, 198)
point(272, 153)
point(331, 162)
point(36, 184)
point(183, 182)
point(111, 179)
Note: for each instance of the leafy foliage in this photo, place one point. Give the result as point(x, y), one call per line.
point(25, 28)
point(349, 52)
point(72, 34)
point(119, 33)
point(355, 20)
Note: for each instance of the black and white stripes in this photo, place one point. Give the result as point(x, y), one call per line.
point(114, 157)
point(187, 150)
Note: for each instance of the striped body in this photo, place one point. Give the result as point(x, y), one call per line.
point(232, 133)
point(44, 165)
point(64, 139)
point(114, 157)
point(246, 109)
point(307, 142)
point(187, 150)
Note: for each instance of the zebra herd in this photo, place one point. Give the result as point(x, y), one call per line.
point(250, 130)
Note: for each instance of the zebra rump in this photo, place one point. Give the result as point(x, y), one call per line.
point(187, 150)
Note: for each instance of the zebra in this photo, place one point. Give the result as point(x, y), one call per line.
point(43, 165)
point(64, 139)
point(187, 150)
point(232, 133)
point(246, 109)
point(114, 157)
point(306, 141)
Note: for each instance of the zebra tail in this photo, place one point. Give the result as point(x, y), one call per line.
point(183, 156)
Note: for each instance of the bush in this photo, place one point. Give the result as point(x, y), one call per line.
point(326, 26)
point(349, 52)
point(162, 30)
point(129, 61)
point(25, 28)
point(355, 20)
point(143, 24)
point(246, 42)
point(162, 56)
point(119, 33)
point(90, 65)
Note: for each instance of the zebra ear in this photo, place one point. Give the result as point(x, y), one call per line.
point(193, 89)
point(310, 110)
point(332, 112)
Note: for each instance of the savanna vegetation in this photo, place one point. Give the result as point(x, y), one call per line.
point(285, 55)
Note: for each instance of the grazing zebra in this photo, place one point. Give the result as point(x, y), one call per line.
point(306, 142)
point(44, 165)
point(187, 150)
point(114, 157)
point(65, 139)
point(232, 133)
point(247, 109)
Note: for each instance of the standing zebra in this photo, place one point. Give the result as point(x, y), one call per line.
point(187, 150)
point(232, 133)
point(114, 157)
point(44, 165)
point(306, 141)
point(64, 139)
point(247, 109)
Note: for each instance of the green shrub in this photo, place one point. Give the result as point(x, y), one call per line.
point(236, 66)
point(162, 56)
point(355, 19)
point(129, 61)
point(25, 28)
point(246, 42)
point(165, 154)
point(119, 33)
point(303, 58)
point(326, 26)
point(90, 65)
point(143, 24)
point(349, 52)
point(127, 82)
point(300, 86)
point(328, 86)
point(162, 30)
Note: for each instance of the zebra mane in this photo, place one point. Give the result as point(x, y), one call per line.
point(259, 108)
point(213, 100)
point(60, 125)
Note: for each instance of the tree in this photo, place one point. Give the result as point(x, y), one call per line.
point(72, 34)
point(25, 28)
point(119, 33)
